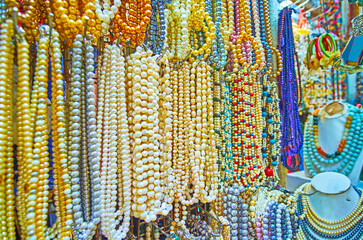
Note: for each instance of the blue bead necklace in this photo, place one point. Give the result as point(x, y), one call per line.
point(345, 157)
point(292, 136)
point(218, 54)
point(155, 36)
point(226, 132)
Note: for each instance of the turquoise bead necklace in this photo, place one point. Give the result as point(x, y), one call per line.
point(350, 147)
point(226, 132)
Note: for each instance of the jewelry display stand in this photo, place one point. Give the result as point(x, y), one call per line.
point(335, 197)
point(331, 127)
point(332, 208)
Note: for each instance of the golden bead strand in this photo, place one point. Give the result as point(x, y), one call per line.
point(7, 214)
point(25, 140)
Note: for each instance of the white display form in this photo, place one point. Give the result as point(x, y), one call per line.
point(296, 179)
point(335, 199)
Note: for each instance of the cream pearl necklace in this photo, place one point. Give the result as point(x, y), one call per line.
point(115, 147)
point(106, 11)
point(165, 116)
point(194, 148)
point(177, 15)
point(143, 102)
point(83, 62)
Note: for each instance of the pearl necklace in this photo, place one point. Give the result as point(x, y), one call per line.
point(130, 22)
point(116, 149)
point(85, 219)
point(7, 206)
point(313, 225)
point(177, 14)
point(70, 17)
point(60, 163)
point(194, 147)
point(33, 155)
point(38, 189)
point(106, 12)
point(143, 83)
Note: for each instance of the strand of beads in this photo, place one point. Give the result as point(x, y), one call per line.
point(60, 143)
point(147, 193)
point(83, 229)
point(109, 144)
point(24, 138)
point(7, 206)
point(28, 16)
point(131, 21)
point(178, 12)
point(70, 18)
point(116, 149)
point(227, 169)
point(105, 12)
point(157, 34)
point(123, 148)
point(292, 137)
point(165, 113)
point(218, 134)
point(196, 23)
point(37, 207)
point(344, 158)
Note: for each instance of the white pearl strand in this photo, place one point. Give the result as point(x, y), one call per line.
point(106, 173)
point(165, 113)
point(123, 149)
point(83, 229)
point(101, 76)
point(147, 194)
point(116, 149)
point(106, 12)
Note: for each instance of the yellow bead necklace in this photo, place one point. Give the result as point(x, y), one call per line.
point(7, 198)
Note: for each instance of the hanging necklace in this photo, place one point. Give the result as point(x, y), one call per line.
point(348, 151)
point(33, 190)
point(314, 226)
point(115, 146)
point(7, 207)
point(71, 16)
point(105, 12)
point(130, 22)
point(156, 35)
point(83, 151)
point(291, 141)
point(152, 194)
point(177, 30)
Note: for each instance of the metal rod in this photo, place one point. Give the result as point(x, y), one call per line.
point(85, 28)
point(15, 19)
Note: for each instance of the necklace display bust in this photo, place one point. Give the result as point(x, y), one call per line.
point(335, 197)
point(331, 127)
point(331, 208)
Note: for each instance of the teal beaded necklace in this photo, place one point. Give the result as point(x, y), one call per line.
point(350, 147)
point(226, 132)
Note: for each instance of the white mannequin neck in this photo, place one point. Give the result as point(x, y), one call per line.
point(335, 197)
